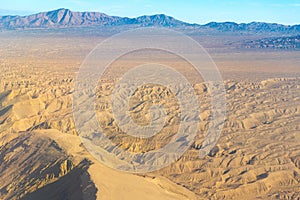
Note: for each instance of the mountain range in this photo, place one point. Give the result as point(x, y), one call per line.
point(63, 18)
point(66, 18)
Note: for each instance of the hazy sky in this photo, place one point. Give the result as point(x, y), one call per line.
point(193, 11)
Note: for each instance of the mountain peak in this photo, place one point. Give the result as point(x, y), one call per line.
point(62, 9)
point(159, 20)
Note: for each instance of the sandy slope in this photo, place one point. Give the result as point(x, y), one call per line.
point(112, 184)
point(78, 176)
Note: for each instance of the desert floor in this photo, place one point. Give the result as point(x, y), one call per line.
point(256, 157)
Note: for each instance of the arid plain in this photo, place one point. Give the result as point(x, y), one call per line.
point(256, 157)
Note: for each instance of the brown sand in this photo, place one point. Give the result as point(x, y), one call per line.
point(257, 156)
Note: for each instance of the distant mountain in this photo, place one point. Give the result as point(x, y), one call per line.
point(62, 18)
point(66, 18)
point(56, 18)
point(154, 20)
point(253, 27)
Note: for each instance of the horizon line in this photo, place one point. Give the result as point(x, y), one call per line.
point(192, 23)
